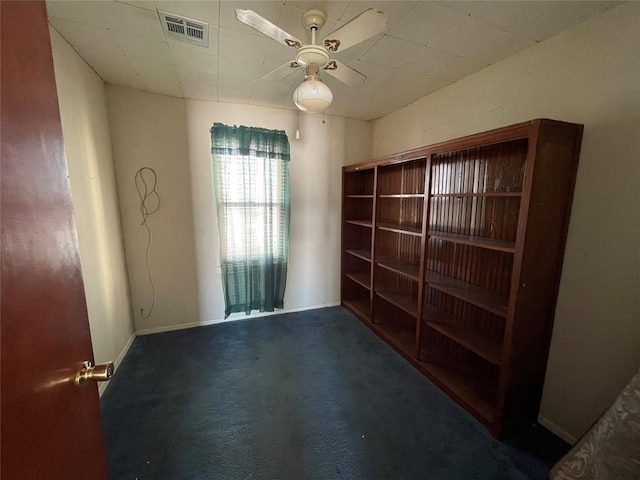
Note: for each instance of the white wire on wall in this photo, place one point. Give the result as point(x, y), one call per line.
point(147, 194)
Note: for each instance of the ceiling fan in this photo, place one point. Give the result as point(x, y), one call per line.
point(312, 95)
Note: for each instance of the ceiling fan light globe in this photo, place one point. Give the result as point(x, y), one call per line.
point(312, 96)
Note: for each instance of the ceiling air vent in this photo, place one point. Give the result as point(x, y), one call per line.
point(184, 29)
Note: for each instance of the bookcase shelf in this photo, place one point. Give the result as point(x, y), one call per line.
point(362, 223)
point(405, 302)
point(402, 195)
point(360, 307)
point(360, 253)
point(401, 338)
point(363, 279)
point(403, 229)
point(452, 254)
point(486, 347)
point(475, 241)
point(479, 194)
point(478, 296)
point(460, 381)
point(403, 268)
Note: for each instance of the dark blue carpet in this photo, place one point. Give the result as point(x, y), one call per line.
point(310, 395)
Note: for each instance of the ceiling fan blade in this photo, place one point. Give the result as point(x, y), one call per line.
point(364, 26)
point(344, 73)
point(281, 72)
point(255, 21)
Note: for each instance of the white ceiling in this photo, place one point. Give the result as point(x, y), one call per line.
point(427, 46)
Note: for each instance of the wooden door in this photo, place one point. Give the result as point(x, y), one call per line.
point(50, 428)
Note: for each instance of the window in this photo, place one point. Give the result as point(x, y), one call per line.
point(255, 207)
point(251, 180)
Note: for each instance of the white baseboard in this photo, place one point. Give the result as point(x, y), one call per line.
point(231, 318)
point(102, 386)
point(552, 427)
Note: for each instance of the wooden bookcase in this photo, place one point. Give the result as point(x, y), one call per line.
point(452, 253)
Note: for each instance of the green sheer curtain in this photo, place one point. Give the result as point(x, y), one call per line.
point(251, 181)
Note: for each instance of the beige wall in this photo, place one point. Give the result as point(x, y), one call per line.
point(87, 145)
point(591, 75)
point(150, 130)
point(172, 135)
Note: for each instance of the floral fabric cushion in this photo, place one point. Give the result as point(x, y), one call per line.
point(611, 448)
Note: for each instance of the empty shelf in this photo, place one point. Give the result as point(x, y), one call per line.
point(485, 347)
point(402, 338)
point(405, 302)
point(360, 306)
point(405, 229)
point(403, 268)
point(362, 223)
point(479, 194)
point(360, 253)
point(460, 382)
point(402, 195)
point(478, 296)
point(363, 279)
point(475, 241)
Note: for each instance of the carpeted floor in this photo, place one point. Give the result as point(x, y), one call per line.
point(310, 395)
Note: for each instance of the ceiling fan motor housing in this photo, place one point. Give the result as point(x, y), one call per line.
point(312, 54)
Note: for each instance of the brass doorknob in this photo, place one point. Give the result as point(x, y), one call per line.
point(100, 373)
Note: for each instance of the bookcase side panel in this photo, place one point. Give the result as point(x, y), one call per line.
point(553, 181)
